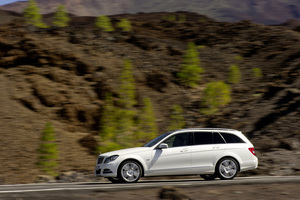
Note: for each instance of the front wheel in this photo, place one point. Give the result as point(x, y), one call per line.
point(130, 171)
point(227, 168)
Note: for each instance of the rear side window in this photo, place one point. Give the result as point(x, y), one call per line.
point(231, 138)
point(203, 138)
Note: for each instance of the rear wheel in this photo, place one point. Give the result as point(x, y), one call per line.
point(130, 171)
point(227, 168)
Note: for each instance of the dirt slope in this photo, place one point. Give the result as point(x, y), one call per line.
point(62, 76)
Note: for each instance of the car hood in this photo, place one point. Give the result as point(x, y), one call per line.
point(126, 151)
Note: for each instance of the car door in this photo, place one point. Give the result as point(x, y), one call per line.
point(176, 159)
point(208, 147)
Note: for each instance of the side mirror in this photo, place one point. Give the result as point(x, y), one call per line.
point(163, 146)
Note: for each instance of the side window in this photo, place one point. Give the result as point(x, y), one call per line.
point(231, 138)
point(181, 139)
point(203, 138)
point(218, 139)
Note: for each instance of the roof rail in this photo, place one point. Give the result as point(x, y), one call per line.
point(218, 129)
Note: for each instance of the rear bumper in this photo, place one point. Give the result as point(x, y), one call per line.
point(249, 165)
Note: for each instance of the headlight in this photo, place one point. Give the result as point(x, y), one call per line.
point(111, 158)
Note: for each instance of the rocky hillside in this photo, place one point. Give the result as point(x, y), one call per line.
point(264, 12)
point(62, 76)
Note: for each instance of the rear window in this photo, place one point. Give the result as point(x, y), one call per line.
point(231, 138)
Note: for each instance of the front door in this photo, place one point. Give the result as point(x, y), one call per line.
point(176, 159)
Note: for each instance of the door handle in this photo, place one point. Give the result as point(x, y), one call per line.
point(184, 150)
point(216, 147)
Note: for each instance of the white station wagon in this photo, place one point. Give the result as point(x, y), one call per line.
point(209, 152)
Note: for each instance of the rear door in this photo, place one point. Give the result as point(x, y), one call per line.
point(207, 148)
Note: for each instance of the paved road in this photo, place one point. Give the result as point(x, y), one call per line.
point(105, 186)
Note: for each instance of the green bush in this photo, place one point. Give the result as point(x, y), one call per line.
point(257, 73)
point(61, 18)
point(234, 74)
point(190, 73)
point(47, 150)
point(124, 25)
point(33, 16)
point(103, 22)
point(176, 119)
point(215, 95)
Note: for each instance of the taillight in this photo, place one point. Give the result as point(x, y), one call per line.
point(252, 150)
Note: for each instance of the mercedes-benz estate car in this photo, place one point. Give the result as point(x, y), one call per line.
point(208, 152)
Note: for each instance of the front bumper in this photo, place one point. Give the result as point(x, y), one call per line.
point(106, 170)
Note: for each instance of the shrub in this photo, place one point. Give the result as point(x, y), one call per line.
point(124, 25)
point(234, 74)
point(32, 15)
point(48, 150)
point(215, 95)
point(190, 72)
point(239, 57)
point(169, 17)
point(257, 73)
point(61, 17)
point(103, 22)
point(182, 18)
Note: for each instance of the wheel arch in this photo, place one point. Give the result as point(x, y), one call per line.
point(232, 157)
point(132, 159)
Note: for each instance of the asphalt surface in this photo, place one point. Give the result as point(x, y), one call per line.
point(142, 184)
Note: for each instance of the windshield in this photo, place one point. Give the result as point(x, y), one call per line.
point(156, 140)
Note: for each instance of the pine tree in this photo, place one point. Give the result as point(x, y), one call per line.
point(48, 150)
point(108, 127)
point(33, 16)
point(127, 87)
point(61, 17)
point(147, 128)
point(190, 72)
point(103, 22)
point(177, 118)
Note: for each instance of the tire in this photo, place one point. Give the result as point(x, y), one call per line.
point(114, 180)
point(227, 168)
point(209, 177)
point(130, 171)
